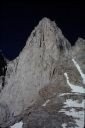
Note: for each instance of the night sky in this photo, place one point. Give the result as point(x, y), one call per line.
point(18, 19)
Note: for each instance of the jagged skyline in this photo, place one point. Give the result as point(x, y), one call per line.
point(47, 76)
point(19, 19)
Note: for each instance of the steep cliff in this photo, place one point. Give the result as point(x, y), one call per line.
point(38, 71)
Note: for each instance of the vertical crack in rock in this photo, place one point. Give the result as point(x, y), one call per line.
point(37, 73)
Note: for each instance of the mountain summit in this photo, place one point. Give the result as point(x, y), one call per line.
point(38, 72)
point(46, 35)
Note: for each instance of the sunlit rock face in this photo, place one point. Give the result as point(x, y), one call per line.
point(38, 71)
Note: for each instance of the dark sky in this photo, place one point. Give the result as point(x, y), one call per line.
point(18, 19)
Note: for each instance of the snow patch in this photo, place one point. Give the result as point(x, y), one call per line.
point(63, 94)
point(47, 101)
point(80, 71)
point(64, 125)
point(74, 88)
point(77, 115)
point(75, 103)
point(17, 125)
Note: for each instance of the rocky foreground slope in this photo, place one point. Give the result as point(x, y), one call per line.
point(45, 76)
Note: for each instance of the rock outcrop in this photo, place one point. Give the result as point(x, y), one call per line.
point(37, 73)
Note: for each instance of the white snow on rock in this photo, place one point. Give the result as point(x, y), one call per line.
point(17, 125)
point(71, 103)
point(74, 88)
point(79, 115)
point(47, 101)
point(63, 94)
point(64, 125)
point(80, 71)
point(31, 70)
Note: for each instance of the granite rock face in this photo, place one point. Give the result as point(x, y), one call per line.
point(79, 52)
point(37, 73)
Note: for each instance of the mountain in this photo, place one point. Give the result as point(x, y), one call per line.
point(37, 74)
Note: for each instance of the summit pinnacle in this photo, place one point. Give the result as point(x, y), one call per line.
point(37, 73)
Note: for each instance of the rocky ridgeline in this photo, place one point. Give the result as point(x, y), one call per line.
point(38, 72)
